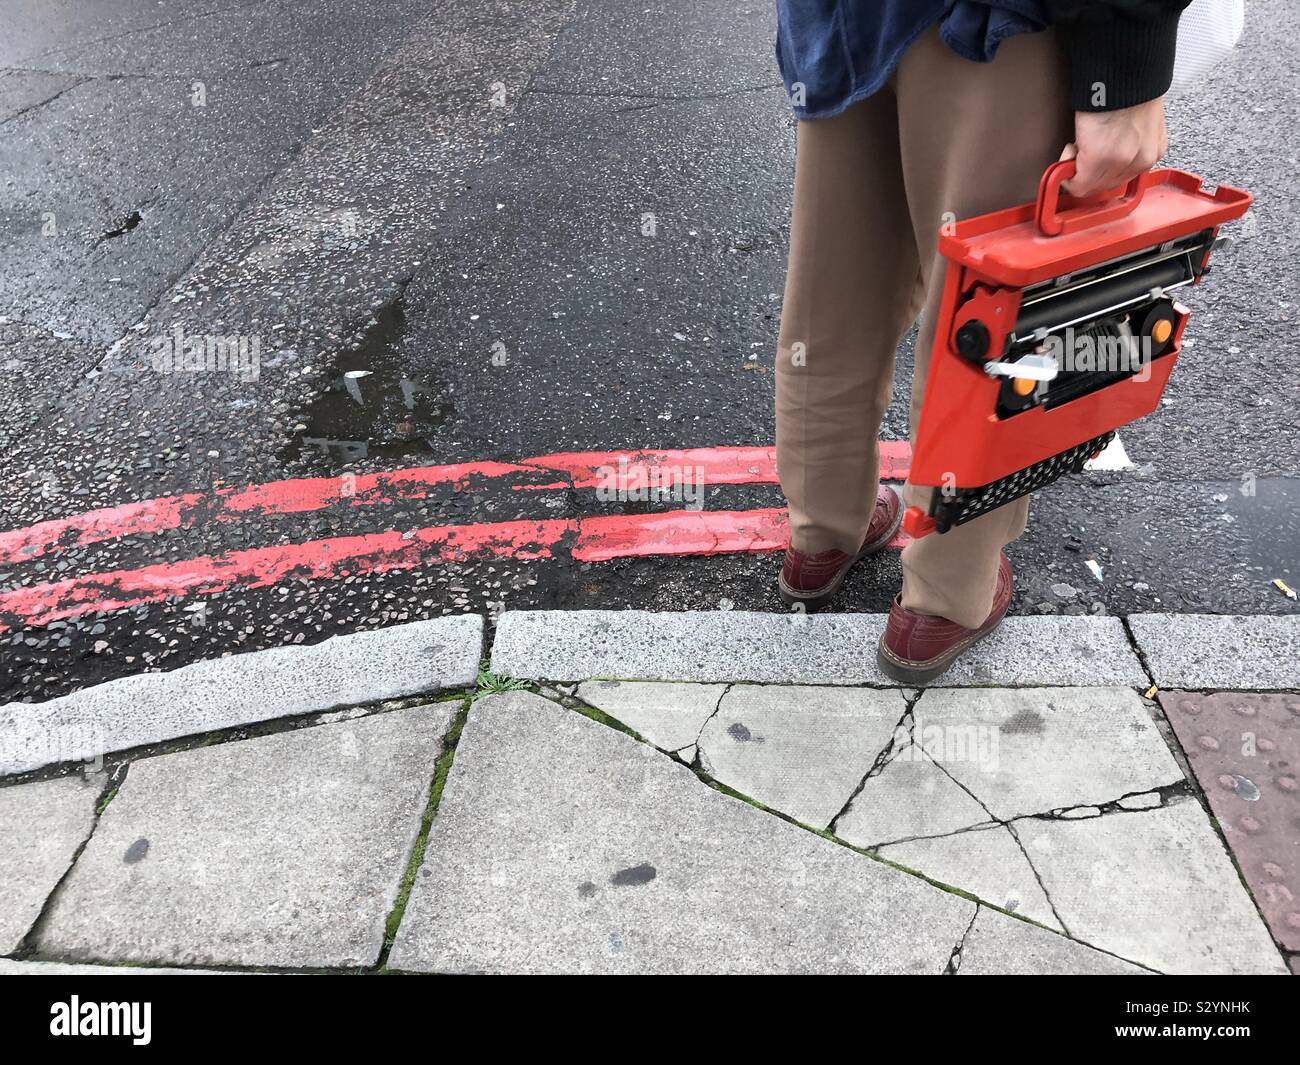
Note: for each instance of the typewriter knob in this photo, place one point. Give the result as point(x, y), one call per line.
point(973, 341)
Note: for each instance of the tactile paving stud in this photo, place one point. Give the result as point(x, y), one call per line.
point(1245, 752)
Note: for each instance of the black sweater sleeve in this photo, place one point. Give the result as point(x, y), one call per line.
point(1121, 52)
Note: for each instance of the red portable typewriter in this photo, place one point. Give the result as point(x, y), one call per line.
point(1058, 325)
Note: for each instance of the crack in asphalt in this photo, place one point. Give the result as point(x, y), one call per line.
point(80, 80)
point(196, 16)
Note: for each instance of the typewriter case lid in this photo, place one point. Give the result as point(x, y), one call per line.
point(1035, 242)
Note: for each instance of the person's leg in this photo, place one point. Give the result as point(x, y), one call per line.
point(852, 276)
point(975, 137)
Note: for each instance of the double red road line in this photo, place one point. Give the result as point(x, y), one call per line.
point(588, 539)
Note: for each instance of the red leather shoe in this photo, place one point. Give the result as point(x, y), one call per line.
point(812, 580)
point(916, 648)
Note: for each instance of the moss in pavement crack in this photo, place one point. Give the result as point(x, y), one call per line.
point(416, 859)
point(104, 800)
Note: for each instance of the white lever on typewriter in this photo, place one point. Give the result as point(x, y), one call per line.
point(1031, 367)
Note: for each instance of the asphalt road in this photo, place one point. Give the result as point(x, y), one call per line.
point(526, 229)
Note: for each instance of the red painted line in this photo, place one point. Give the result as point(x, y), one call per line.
point(262, 566)
point(594, 540)
point(681, 532)
point(293, 496)
point(107, 523)
point(711, 465)
point(627, 470)
point(687, 532)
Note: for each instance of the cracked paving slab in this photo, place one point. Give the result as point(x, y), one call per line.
point(909, 797)
point(802, 751)
point(668, 715)
point(1155, 887)
point(1048, 760)
point(986, 862)
point(41, 827)
point(287, 850)
point(562, 845)
point(1245, 751)
point(1034, 750)
point(1001, 948)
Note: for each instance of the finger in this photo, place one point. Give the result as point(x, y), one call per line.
point(1086, 180)
point(1094, 175)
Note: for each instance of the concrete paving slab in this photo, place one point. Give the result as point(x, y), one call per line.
point(362, 667)
point(800, 750)
point(41, 827)
point(1033, 750)
point(1220, 651)
point(1155, 887)
point(1245, 751)
point(909, 797)
point(668, 715)
point(987, 863)
point(562, 845)
point(55, 968)
point(1002, 946)
point(286, 850)
point(729, 645)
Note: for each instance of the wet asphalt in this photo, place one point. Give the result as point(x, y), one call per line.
point(523, 228)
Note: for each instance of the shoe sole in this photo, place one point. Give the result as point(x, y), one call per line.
point(814, 601)
point(919, 672)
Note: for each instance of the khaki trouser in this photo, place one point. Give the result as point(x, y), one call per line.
point(945, 139)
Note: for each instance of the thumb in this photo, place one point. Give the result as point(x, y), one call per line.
point(1070, 151)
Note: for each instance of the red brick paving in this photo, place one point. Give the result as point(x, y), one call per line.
point(1245, 752)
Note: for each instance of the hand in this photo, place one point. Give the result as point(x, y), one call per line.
point(1112, 147)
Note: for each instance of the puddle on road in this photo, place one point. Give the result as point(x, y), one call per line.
point(371, 407)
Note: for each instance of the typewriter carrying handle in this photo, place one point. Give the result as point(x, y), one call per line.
point(1079, 214)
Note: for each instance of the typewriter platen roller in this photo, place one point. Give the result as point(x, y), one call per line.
point(1059, 323)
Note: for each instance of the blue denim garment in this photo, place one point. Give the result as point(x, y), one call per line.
point(842, 51)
